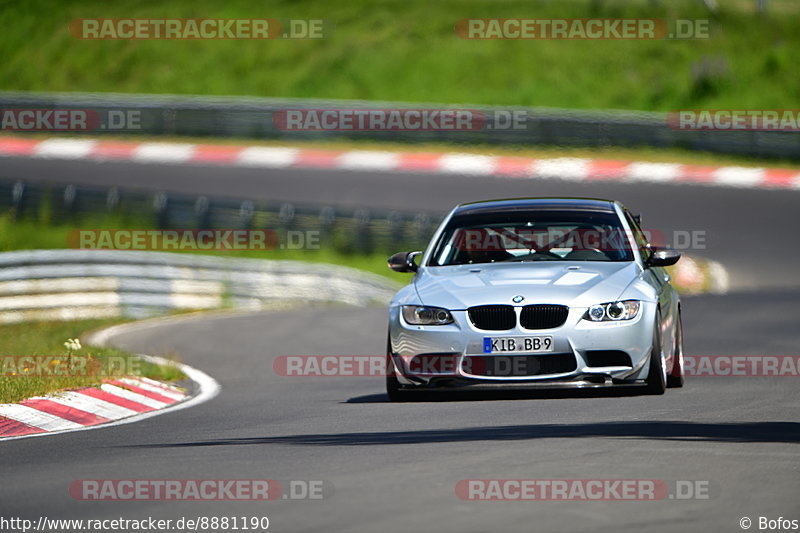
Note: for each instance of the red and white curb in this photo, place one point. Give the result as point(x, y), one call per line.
point(566, 168)
point(115, 402)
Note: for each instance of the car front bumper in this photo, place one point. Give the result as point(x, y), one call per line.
point(454, 354)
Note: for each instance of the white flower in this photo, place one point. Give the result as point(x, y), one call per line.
point(72, 345)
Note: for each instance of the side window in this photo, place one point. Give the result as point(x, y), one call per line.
point(638, 236)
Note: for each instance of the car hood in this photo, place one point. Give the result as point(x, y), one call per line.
point(575, 285)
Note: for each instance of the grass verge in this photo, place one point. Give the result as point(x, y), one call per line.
point(86, 367)
point(409, 51)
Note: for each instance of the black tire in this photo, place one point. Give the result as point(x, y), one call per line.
point(394, 391)
point(656, 376)
point(675, 378)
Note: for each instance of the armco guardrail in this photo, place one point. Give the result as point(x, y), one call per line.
point(73, 284)
point(255, 118)
point(345, 230)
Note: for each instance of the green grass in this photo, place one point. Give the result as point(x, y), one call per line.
point(41, 232)
point(82, 368)
point(408, 51)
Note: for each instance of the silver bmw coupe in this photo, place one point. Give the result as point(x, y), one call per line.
point(536, 292)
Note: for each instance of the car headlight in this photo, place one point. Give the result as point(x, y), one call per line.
point(421, 315)
point(613, 311)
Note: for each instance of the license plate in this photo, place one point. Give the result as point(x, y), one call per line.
point(517, 344)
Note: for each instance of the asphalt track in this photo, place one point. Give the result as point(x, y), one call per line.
point(394, 467)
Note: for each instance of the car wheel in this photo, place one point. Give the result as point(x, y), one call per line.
point(675, 379)
point(657, 375)
point(393, 389)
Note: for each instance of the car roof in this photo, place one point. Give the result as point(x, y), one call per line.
point(520, 204)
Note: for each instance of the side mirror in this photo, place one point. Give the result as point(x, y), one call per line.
point(403, 262)
point(662, 257)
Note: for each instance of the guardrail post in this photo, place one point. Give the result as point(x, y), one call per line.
point(421, 229)
point(362, 235)
point(18, 198)
point(161, 208)
point(246, 211)
point(112, 199)
point(327, 222)
point(395, 238)
point(202, 212)
point(70, 198)
point(286, 215)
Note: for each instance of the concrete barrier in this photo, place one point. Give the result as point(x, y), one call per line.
point(78, 284)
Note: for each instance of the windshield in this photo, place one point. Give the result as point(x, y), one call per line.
point(532, 235)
